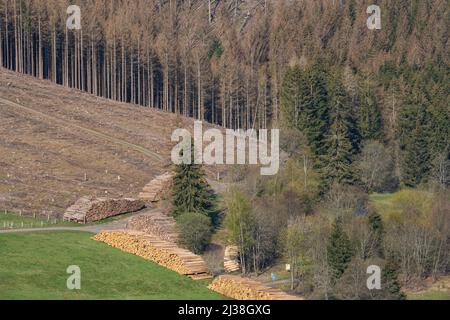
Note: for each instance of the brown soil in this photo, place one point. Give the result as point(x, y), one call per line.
point(58, 144)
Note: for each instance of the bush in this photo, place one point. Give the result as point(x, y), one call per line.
point(195, 231)
point(376, 169)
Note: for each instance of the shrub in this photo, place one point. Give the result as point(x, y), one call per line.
point(195, 231)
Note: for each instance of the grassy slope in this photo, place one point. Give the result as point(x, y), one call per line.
point(33, 266)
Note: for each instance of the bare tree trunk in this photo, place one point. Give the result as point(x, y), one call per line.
point(175, 91)
point(82, 82)
point(54, 76)
point(139, 73)
point(89, 69)
point(66, 57)
point(150, 79)
point(1, 45)
point(124, 66)
point(247, 102)
point(132, 79)
point(41, 58)
point(114, 67)
point(224, 103)
point(199, 93)
point(77, 67)
point(186, 96)
point(8, 54)
point(16, 42)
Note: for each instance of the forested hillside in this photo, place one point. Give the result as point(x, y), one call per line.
point(223, 61)
point(231, 63)
point(364, 118)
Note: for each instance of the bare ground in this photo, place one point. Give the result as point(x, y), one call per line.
point(58, 144)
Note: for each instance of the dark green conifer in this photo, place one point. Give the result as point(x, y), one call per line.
point(339, 251)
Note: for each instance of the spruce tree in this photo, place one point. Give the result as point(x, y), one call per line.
point(376, 236)
point(416, 161)
point(304, 104)
point(190, 190)
point(315, 99)
point(291, 106)
point(439, 124)
point(368, 115)
point(391, 287)
point(339, 251)
point(413, 138)
point(343, 138)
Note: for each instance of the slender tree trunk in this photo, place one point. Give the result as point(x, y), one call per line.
point(54, 71)
point(1, 44)
point(186, 96)
point(224, 102)
point(83, 70)
point(16, 42)
point(8, 54)
point(41, 58)
point(139, 74)
point(66, 57)
point(94, 68)
point(114, 55)
point(149, 79)
point(199, 93)
point(124, 65)
point(132, 79)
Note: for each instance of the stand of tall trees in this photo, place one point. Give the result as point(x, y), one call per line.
point(221, 61)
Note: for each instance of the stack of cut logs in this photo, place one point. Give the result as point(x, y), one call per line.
point(88, 209)
point(158, 189)
point(246, 289)
point(156, 223)
point(231, 264)
point(164, 253)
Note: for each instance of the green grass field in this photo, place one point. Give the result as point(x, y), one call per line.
point(430, 295)
point(33, 266)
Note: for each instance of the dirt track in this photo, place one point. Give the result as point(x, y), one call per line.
point(58, 144)
point(118, 224)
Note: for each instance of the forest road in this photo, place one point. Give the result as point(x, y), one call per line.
point(89, 131)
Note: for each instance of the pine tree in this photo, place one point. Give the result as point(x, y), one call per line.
point(339, 251)
point(190, 190)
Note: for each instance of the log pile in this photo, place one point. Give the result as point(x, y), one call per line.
point(156, 223)
point(158, 189)
point(164, 253)
point(231, 264)
point(240, 288)
point(88, 209)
